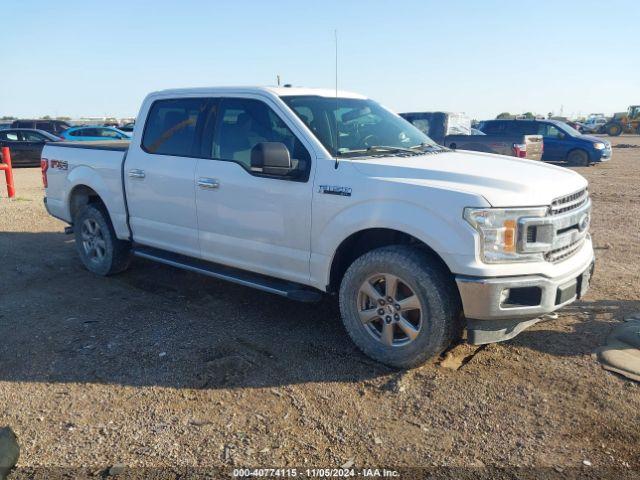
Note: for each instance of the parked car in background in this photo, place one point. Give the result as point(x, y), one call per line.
point(52, 126)
point(94, 133)
point(302, 191)
point(25, 145)
point(453, 130)
point(127, 127)
point(561, 142)
point(593, 125)
point(5, 125)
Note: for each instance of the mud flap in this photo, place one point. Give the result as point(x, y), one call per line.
point(480, 332)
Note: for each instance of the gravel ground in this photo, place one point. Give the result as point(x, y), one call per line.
point(158, 367)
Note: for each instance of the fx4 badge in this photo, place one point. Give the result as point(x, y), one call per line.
point(335, 190)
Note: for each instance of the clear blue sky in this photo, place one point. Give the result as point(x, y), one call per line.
point(483, 57)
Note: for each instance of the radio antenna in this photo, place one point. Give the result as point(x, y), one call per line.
point(335, 38)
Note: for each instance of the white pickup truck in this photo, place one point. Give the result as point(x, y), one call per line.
point(301, 192)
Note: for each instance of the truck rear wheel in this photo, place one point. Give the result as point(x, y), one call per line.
point(399, 306)
point(100, 250)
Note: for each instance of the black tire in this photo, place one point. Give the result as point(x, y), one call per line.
point(116, 253)
point(614, 129)
point(578, 158)
point(440, 310)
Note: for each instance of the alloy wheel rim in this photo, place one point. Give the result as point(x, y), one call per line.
point(93, 241)
point(390, 310)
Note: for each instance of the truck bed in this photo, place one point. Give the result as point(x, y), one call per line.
point(499, 144)
point(96, 165)
point(114, 145)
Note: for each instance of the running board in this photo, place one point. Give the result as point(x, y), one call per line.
point(291, 290)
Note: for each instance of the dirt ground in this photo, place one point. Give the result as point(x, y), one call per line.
point(159, 367)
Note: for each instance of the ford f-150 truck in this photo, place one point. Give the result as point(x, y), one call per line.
point(301, 192)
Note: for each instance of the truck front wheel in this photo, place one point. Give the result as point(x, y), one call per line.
point(399, 306)
point(100, 250)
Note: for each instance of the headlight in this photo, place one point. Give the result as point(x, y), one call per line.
point(499, 232)
point(598, 146)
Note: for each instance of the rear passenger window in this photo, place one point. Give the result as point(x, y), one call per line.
point(172, 125)
point(243, 123)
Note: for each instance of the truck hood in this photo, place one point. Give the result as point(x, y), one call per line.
point(502, 181)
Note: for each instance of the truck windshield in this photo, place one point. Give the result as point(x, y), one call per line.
point(364, 128)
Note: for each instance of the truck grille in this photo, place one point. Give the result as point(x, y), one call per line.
point(565, 252)
point(561, 233)
point(570, 202)
point(563, 206)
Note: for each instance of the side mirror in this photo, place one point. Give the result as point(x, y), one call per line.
point(271, 158)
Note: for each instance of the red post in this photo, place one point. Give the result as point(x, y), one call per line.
point(8, 171)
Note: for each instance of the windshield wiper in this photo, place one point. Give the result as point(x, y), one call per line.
point(428, 145)
point(390, 149)
point(377, 148)
point(387, 148)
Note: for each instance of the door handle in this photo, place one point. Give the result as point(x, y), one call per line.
point(135, 173)
point(208, 183)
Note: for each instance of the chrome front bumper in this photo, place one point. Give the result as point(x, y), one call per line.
point(523, 297)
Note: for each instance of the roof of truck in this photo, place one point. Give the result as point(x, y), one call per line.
point(280, 91)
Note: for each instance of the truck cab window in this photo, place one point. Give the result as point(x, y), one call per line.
point(243, 123)
point(171, 126)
